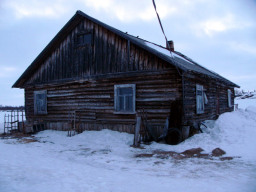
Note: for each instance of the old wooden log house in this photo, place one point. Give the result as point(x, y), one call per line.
point(103, 78)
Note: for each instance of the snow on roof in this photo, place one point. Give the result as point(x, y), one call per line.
point(184, 62)
point(166, 51)
point(179, 60)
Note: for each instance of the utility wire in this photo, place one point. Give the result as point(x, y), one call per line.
point(169, 48)
point(159, 20)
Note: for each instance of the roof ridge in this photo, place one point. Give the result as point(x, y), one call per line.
point(142, 43)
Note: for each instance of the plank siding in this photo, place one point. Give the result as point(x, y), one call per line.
point(108, 53)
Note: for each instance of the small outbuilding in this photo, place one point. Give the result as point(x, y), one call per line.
point(94, 76)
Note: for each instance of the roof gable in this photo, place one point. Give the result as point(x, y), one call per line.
point(175, 58)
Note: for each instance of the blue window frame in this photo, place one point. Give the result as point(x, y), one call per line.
point(199, 99)
point(40, 102)
point(125, 98)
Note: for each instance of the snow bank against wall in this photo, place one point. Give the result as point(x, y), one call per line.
point(104, 161)
point(234, 132)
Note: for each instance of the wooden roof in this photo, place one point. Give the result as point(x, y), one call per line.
point(182, 62)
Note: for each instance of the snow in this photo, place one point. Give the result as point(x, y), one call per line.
point(2, 116)
point(104, 161)
point(166, 51)
point(1, 127)
point(244, 103)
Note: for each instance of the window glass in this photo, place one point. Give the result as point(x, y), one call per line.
point(84, 39)
point(125, 91)
point(40, 102)
point(128, 103)
point(199, 99)
point(87, 38)
point(121, 103)
point(125, 98)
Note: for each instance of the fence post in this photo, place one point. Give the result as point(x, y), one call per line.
point(11, 120)
point(18, 120)
point(22, 118)
point(137, 131)
point(4, 123)
point(8, 122)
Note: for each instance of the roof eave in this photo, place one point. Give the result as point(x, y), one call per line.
point(65, 30)
point(68, 27)
point(226, 81)
point(51, 45)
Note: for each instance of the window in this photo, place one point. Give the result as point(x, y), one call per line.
point(199, 99)
point(40, 102)
point(125, 98)
point(83, 39)
point(229, 98)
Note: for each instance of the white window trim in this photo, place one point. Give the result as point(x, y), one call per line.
point(35, 107)
point(200, 88)
point(205, 98)
point(133, 86)
point(229, 98)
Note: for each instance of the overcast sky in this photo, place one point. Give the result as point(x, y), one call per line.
point(218, 34)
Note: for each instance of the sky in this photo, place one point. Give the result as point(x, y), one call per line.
point(220, 35)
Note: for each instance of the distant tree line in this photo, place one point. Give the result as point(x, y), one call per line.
point(10, 108)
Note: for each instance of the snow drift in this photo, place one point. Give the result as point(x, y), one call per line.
point(104, 161)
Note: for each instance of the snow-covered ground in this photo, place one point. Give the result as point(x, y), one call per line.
point(244, 103)
point(245, 99)
point(1, 122)
point(104, 161)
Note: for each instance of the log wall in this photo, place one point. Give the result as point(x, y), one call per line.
point(93, 100)
point(215, 90)
point(82, 78)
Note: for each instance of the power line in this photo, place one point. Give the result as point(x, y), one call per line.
point(168, 46)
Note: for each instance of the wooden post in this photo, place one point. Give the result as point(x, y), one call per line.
point(137, 131)
point(8, 122)
point(18, 120)
point(4, 123)
point(22, 119)
point(74, 129)
point(11, 121)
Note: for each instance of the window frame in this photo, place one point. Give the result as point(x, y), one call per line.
point(199, 99)
point(82, 35)
point(36, 112)
point(116, 98)
point(229, 98)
